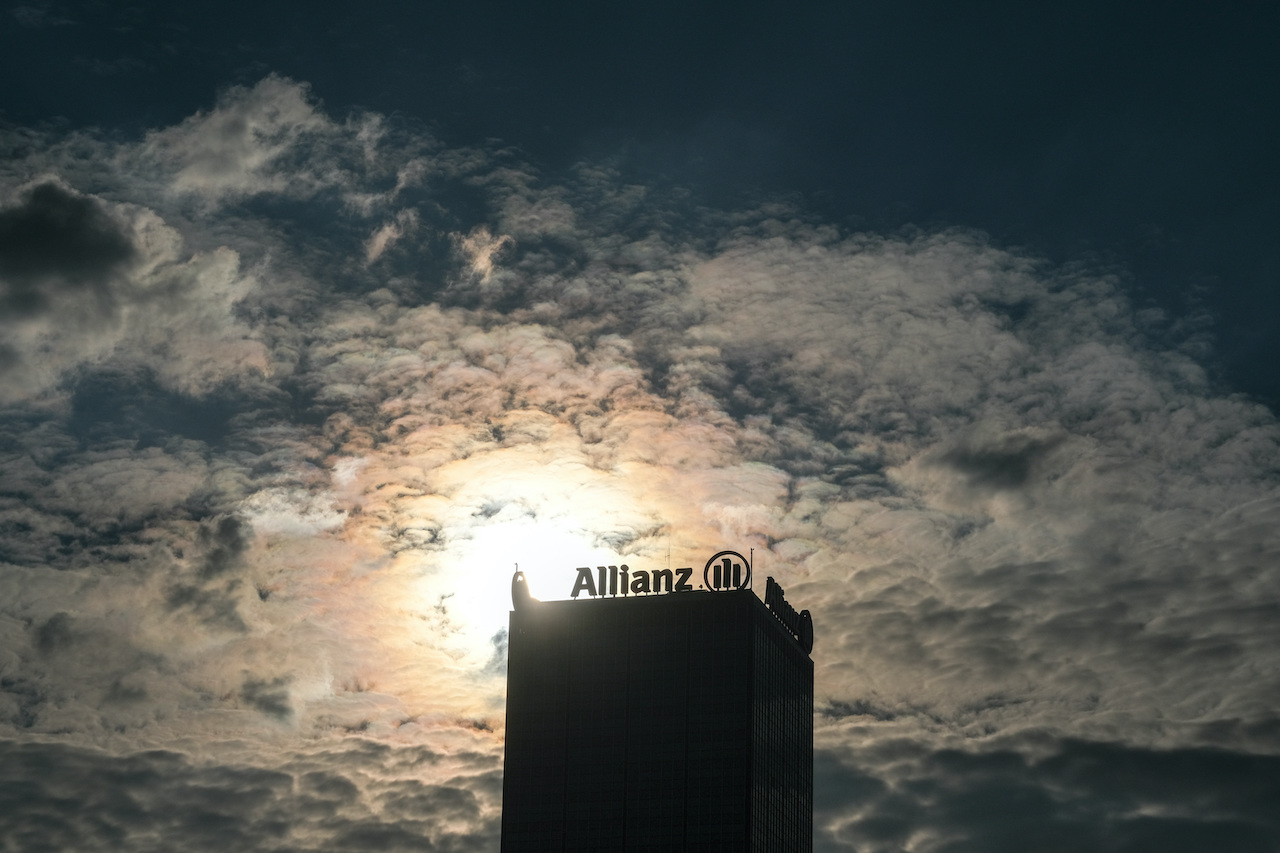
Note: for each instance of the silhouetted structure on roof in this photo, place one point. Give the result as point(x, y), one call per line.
point(659, 722)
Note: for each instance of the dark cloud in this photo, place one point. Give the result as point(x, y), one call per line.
point(55, 238)
point(269, 697)
point(215, 605)
point(1005, 463)
point(224, 541)
point(1072, 795)
point(55, 633)
point(498, 662)
point(57, 797)
point(839, 708)
point(212, 588)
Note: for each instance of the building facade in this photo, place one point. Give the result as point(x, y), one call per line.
point(658, 723)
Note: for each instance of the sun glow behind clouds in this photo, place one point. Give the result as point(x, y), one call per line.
point(476, 584)
point(546, 550)
point(509, 507)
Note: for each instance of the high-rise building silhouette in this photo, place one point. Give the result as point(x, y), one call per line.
point(659, 722)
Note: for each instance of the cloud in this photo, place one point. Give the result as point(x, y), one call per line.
point(39, 17)
point(61, 239)
point(244, 146)
point(479, 248)
point(264, 483)
point(56, 797)
point(1068, 795)
point(85, 282)
point(389, 233)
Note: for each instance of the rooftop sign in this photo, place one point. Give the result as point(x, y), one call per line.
point(722, 572)
point(725, 571)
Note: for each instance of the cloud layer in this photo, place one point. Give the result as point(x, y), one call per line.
point(286, 395)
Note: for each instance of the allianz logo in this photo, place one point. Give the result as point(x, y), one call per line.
point(722, 573)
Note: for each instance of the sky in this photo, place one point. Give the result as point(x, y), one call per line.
point(317, 319)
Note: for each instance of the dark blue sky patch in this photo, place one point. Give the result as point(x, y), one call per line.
point(122, 403)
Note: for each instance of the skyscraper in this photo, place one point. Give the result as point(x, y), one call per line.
point(678, 721)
